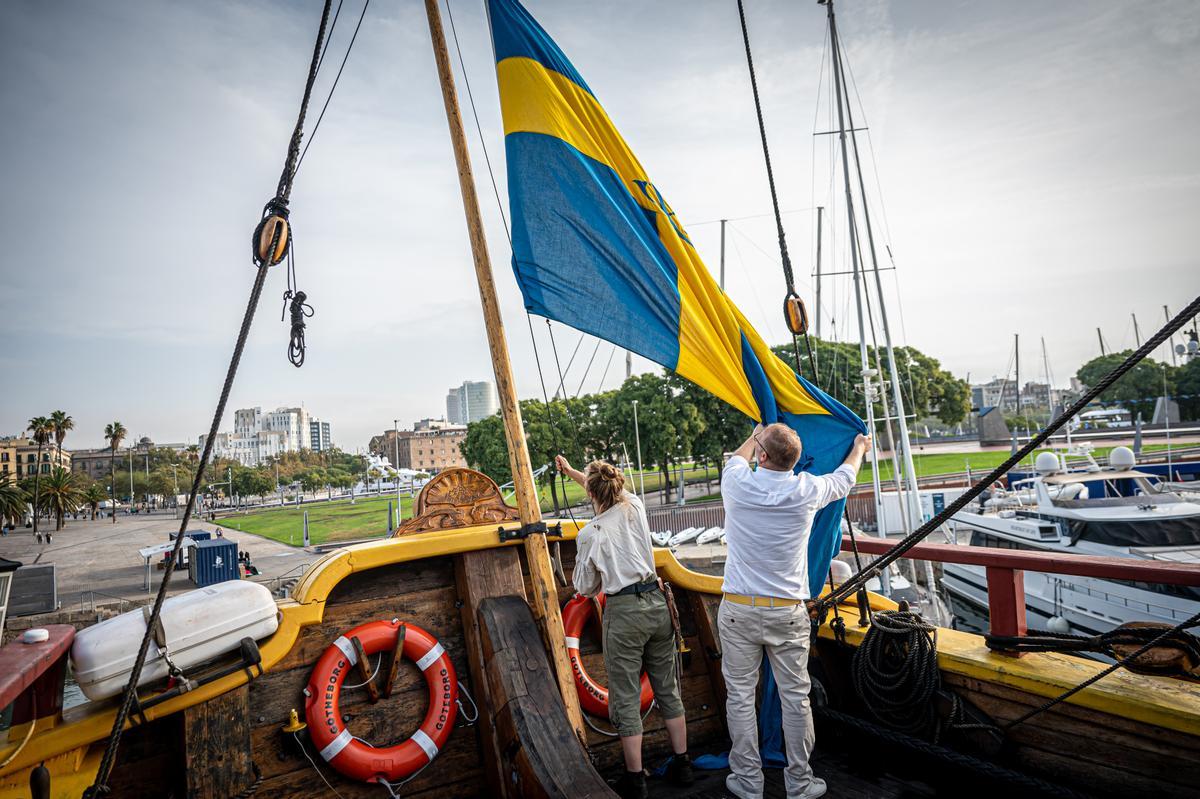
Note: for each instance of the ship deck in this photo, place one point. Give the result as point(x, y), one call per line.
point(866, 780)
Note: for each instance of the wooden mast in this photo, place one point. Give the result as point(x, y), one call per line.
point(537, 553)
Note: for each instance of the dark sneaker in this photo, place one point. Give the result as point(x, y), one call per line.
point(679, 771)
point(630, 785)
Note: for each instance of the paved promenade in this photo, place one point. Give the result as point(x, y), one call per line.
point(103, 557)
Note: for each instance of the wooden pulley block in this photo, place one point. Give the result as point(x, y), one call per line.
point(265, 234)
point(795, 314)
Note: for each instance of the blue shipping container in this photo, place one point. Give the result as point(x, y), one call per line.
point(195, 535)
point(213, 561)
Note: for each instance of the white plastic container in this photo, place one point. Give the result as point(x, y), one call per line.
point(193, 628)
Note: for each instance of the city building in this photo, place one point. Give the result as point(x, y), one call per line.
point(1000, 392)
point(472, 401)
point(259, 435)
point(319, 437)
point(433, 445)
point(19, 457)
point(96, 463)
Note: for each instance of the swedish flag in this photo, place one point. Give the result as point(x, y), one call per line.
point(596, 246)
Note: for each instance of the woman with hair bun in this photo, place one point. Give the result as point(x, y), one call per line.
point(614, 554)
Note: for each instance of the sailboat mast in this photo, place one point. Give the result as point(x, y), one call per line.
point(893, 370)
point(820, 213)
point(868, 394)
point(545, 593)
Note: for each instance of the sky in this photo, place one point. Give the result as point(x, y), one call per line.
point(1032, 167)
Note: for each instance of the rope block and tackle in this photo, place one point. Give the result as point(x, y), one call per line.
point(272, 235)
point(795, 314)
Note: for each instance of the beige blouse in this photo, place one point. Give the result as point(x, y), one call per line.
point(614, 549)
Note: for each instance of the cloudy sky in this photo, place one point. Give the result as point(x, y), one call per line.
point(1034, 171)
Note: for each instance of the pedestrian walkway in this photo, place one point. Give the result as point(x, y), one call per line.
point(102, 557)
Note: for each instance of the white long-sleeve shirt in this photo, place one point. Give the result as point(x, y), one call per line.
point(768, 518)
point(614, 549)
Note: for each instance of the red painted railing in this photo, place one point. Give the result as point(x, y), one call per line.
point(1006, 569)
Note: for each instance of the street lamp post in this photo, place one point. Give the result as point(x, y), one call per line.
point(396, 469)
point(637, 437)
point(131, 479)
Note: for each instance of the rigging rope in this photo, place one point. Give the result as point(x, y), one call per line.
point(276, 206)
point(848, 588)
point(336, 78)
point(788, 277)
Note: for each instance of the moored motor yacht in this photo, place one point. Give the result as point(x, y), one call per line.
point(1115, 512)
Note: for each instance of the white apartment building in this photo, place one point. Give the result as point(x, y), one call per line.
point(472, 401)
point(259, 435)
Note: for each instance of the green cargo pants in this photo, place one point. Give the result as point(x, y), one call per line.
point(638, 634)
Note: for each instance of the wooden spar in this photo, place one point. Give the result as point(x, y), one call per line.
point(545, 594)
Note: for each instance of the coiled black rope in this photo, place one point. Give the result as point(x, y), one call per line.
point(283, 191)
point(848, 588)
point(896, 674)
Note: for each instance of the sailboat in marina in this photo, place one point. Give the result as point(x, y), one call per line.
point(438, 663)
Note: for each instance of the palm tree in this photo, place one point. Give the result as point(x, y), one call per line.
point(93, 495)
point(41, 428)
point(114, 433)
point(61, 424)
point(61, 495)
point(12, 500)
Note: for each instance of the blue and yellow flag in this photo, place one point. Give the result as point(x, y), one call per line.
point(596, 246)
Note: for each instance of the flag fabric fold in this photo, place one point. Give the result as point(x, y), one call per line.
point(597, 247)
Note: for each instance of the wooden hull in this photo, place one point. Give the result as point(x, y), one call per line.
point(1127, 735)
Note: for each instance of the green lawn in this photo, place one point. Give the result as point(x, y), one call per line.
point(980, 462)
point(327, 521)
point(367, 518)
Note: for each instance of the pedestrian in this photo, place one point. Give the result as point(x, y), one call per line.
point(614, 554)
point(769, 513)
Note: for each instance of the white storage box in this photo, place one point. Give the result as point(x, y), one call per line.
point(193, 628)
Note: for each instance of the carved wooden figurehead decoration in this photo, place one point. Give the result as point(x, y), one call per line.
point(458, 498)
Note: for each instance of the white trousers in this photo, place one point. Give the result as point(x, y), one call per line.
point(784, 633)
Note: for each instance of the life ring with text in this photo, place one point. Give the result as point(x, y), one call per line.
point(353, 757)
point(593, 697)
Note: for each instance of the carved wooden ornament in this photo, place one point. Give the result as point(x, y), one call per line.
point(456, 498)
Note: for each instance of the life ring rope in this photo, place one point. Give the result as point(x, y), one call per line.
point(593, 697)
point(352, 756)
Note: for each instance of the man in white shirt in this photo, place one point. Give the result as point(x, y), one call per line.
point(768, 518)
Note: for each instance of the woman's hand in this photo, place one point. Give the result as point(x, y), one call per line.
point(564, 466)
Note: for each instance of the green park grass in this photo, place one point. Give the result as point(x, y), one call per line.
point(339, 520)
point(955, 462)
point(331, 522)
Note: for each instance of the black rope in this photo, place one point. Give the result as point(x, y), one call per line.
point(762, 131)
point(100, 786)
point(896, 674)
point(336, 78)
point(295, 301)
point(895, 553)
point(1178, 628)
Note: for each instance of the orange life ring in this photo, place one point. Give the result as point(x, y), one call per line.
point(353, 757)
point(593, 697)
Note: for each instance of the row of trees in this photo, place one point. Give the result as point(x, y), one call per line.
point(1140, 387)
point(678, 421)
point(59, 494)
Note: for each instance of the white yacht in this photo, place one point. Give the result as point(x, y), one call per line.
point(1053, 512)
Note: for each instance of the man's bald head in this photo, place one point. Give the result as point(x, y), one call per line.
point(781, 444)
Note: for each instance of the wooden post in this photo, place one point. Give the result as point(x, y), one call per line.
point(545, 595)
point(1006, 601)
